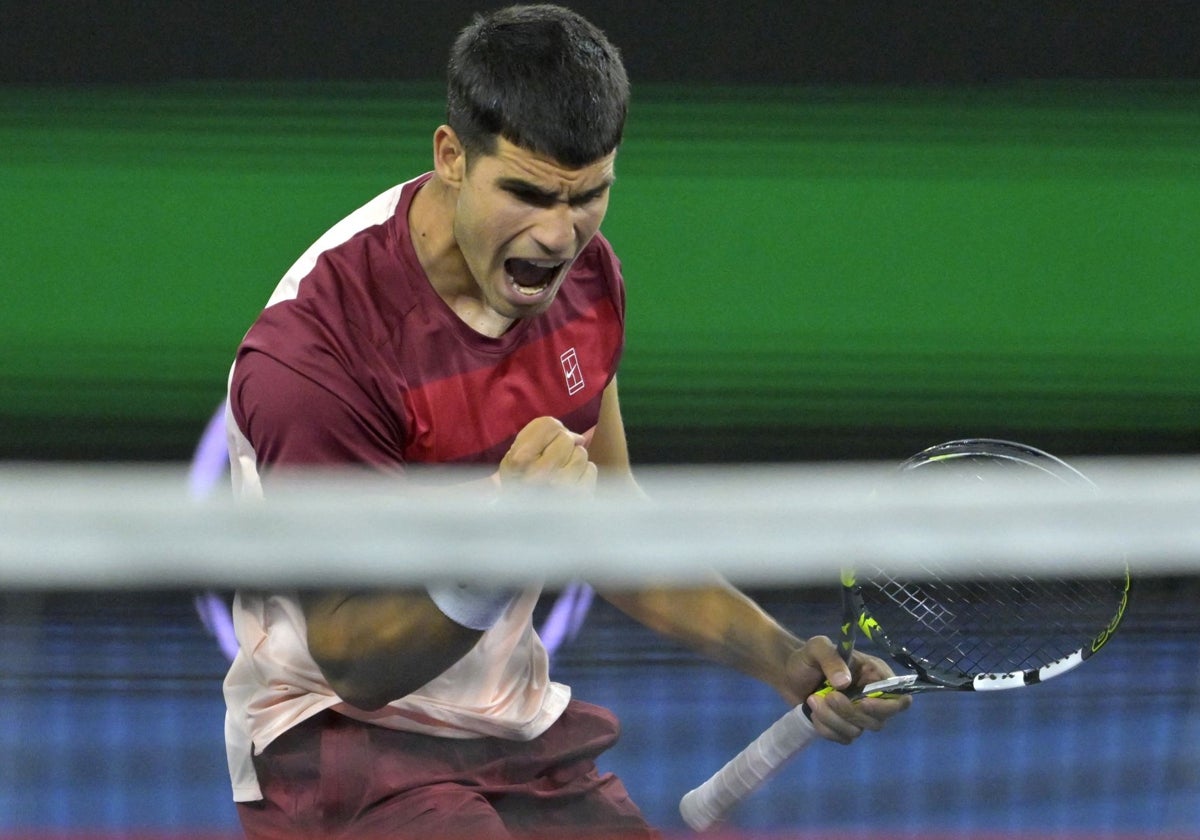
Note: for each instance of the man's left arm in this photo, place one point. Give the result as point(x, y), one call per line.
point(725, 625)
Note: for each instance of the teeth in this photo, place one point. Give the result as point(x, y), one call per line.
point(531, 276)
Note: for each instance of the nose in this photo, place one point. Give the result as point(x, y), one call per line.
point(554, 231)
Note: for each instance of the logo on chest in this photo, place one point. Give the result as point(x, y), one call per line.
point(572, 371)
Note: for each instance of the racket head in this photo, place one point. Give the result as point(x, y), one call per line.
point(977, 458)
point(982, 630)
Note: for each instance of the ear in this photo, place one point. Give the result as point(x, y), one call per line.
point(449, 156)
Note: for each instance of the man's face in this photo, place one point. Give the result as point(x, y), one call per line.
point(521, 219)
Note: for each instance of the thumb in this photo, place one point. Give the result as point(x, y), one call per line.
point(821, 655)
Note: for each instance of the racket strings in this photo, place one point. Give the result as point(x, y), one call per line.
point(965, 628)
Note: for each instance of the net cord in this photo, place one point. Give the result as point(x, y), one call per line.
point(96, 528)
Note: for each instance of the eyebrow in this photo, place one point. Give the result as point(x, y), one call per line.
point(524, 189)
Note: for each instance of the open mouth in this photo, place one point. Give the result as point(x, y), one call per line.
point(532, 277)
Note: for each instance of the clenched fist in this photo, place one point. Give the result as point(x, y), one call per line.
point(547, 454)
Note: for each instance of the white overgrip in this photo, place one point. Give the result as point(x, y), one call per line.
point(706, 805)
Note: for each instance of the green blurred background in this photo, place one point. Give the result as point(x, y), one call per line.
point(850, 229)
point(814, 269)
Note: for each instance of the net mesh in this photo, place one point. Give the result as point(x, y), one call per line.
point(114, 716)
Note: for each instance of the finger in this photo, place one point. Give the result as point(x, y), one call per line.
point(869, 669)
point(821, 655)
point(563, 464)
point(882, 709)
point(830, 721)
point(587, 478)
point(853, 711)
point(531, 443)
point(561, 452)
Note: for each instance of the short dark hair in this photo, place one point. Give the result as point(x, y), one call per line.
point(543, 78)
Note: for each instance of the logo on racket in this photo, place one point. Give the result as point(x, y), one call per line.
point(868, 625)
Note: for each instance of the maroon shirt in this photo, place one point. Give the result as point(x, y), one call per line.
point(360, 361)
point(356, 360)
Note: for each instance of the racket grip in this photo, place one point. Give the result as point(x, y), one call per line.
point(706, 805)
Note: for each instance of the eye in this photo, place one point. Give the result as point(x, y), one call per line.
point(588, 198)
point(532, 197)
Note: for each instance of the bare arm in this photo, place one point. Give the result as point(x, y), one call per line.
point(723, 624)
point(720, 623)
point(375, 647)
point(717, 620)
point(726, 626)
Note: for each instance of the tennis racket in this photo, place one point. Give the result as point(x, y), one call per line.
point(954, 633)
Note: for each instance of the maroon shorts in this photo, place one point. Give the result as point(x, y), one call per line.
point(334, 777)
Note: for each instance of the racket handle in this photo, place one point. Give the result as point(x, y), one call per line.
point(707, 804)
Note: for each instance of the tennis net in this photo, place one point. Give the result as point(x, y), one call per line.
point(114, 616)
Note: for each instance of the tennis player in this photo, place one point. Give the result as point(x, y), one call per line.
point(472, 316)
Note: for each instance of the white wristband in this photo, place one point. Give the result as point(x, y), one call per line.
point(471, 605)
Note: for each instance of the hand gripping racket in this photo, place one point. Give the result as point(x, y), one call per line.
point(955, 633)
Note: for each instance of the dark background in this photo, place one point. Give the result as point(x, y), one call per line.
point(745, 42)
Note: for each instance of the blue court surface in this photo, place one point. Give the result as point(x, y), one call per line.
point(113, 724)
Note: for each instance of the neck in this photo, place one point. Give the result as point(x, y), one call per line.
point(431, 226)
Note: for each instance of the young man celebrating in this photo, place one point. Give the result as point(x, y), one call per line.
point(471, 316)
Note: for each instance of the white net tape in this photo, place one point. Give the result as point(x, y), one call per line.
point(110, 527)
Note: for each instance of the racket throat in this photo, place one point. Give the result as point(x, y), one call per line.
point(893, 686)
